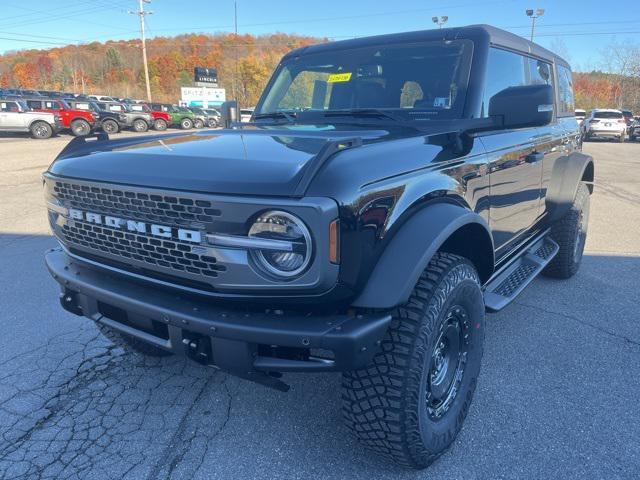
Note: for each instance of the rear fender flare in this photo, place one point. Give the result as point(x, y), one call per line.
point(568, 172)
point(412, 247)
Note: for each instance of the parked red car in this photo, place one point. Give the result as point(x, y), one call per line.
point(80, 122)
point(161, 120)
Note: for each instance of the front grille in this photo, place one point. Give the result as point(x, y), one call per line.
point(169, 254)
point(148, 207)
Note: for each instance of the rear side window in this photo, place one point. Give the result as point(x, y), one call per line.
point(52, 105)
point(607, 115)
point(35, 104)
point(566, 104)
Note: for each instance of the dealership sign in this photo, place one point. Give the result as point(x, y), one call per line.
point(205, 75)
point(202, 96)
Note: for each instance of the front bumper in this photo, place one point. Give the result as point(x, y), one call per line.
point(242, 342)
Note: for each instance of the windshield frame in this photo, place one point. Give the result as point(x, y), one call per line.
point(318, 116)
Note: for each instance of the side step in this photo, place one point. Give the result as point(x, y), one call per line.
point(503, 288)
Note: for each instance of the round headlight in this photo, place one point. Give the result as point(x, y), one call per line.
point(287, 228)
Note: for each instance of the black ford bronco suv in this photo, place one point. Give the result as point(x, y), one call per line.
point(385, 194)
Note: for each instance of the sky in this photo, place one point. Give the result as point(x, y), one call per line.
point(579, 30)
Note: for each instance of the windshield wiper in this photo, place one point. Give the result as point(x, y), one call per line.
point(290, 116)
point(364, 112)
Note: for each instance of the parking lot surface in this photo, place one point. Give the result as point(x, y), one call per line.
point(557, 395)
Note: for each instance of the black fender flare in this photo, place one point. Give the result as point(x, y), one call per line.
point(567, 173)
point(409, 251)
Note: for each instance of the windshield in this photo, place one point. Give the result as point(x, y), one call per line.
point(424, 79)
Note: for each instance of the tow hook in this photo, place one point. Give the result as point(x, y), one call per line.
point(198, 348)
point(69, 301)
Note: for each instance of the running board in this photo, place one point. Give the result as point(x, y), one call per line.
point(509, 283)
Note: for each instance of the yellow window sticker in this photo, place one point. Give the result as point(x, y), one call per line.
point(339, 77)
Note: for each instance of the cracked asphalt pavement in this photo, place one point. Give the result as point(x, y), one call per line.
point(557, 395)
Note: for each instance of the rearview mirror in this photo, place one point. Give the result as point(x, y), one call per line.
point(524, 106)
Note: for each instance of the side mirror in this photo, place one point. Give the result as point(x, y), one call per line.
point(229, 113)
point(521, 107)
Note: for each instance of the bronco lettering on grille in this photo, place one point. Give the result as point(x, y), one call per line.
point(165, 231)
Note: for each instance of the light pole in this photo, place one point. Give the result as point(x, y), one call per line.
point(440, 20)
point(533, 14)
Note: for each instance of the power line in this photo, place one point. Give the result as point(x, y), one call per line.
point(59, 17)
point(327, 19)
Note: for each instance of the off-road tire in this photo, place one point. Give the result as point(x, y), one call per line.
point(110, 126)
point(140, 125)
point(570, 233)
point(212, 123)
point(385, 403)
point(128, 342)
point(80, 128)
point(186, 124)
point(160, 125)
point(41, 130)
point(198, 123)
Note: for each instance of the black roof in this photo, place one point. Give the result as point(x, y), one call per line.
point(494, 36)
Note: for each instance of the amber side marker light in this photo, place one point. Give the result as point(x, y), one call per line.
point(334, 244)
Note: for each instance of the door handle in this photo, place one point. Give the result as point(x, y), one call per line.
point(534, 157)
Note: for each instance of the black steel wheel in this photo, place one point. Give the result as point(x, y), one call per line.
point(448, 361)
point(80, 128)
point(409, 404)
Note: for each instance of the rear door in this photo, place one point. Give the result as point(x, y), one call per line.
point(552, 140)
point(515, 166)
point(564, 131)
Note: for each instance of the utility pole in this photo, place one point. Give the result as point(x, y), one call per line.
point(141, 13)
point(235, 49)
point(533, 15)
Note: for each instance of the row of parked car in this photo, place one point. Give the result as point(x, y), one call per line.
point(45, 113)
point(608, 123)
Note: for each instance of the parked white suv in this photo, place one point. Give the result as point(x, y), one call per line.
point(604, 123)
point(15, 116)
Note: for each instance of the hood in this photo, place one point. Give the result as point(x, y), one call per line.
point(251, 161)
